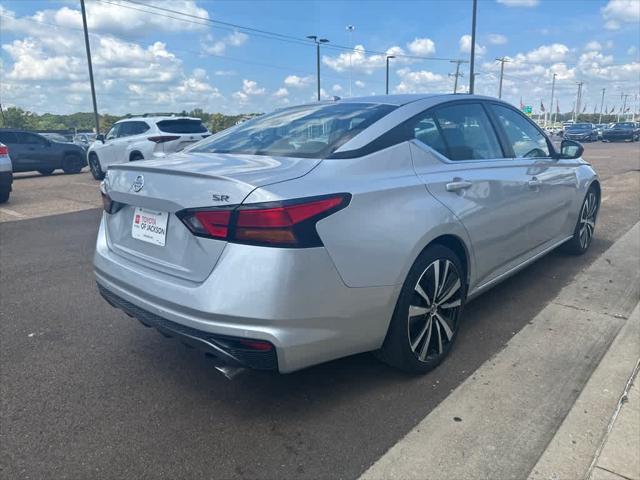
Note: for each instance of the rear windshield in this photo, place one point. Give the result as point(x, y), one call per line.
point(624, 125)
point(8, 137)
point(581, 126)
point(310, 131)
point(182, 126)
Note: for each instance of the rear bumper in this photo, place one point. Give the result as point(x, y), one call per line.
point(613, 138)
point(227, 350)
point(291, 298)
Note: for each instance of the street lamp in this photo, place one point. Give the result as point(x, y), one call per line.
point(318, 41)
point(350, 29)
point(387, 82)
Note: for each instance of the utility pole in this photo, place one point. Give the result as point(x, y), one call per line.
point(4, 122)
point(623, 97)
point(387, 81)
point(472, 77)
point(457, 74)
point(93, 88)
point(553, 88)
point(317, 41)
point(502, 61)
point(601, 105)
point(576, 110)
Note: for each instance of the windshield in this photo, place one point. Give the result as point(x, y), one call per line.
point(310, 131)
point(625, 125)
point(581, 126)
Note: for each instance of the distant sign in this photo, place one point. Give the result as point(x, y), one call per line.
point(527, 109)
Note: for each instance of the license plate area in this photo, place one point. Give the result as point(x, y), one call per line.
point(149, 226)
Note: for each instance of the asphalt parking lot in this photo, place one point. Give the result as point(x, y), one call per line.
point(86, 391)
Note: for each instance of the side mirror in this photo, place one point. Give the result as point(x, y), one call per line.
point(570, 150)
point(100, 137)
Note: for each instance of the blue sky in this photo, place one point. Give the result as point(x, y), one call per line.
point(145, 61)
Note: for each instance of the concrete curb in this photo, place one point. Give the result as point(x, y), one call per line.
point(575, 447)
point(500, 421)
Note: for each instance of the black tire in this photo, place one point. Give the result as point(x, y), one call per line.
point(72, 164)
point(418, 343)
point(46, 171)
point(585, 226)
point(94, 166)
point(4, 194)
point(135, 157)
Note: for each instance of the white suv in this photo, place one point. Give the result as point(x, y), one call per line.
point(140, 138)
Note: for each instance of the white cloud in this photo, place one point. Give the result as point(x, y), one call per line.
point(359, 84)
point(497, 39)
point(218, 47)
point(298, 82)
point(593, 45)
point(618, 12)
point(548, 53)
point(361, 62)
point(632, 50)
point(465, 45)
point(418, 81)
point(422, 46)
point(336, 88)
point(519, 3)
point(281, 93)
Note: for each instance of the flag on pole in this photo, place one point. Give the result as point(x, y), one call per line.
point(542, 107)
point(627, 109)
point(585, 108)
point(521, 104)
point(613, 109)
point(557, 107)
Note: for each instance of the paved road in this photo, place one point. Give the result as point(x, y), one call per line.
point(88, 392)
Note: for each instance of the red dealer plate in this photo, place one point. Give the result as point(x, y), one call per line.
point(149, 226)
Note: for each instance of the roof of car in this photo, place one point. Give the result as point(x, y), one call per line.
point(405, 98)
point(156, 118)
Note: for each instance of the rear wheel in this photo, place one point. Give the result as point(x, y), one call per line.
point(94, 166)
point(583, 233)
point(46, 171)
point(425, 322)
point(72, 164)
point(136, 157)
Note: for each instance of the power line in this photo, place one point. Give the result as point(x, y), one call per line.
point(457, 74)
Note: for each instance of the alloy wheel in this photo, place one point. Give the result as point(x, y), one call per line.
point(588, 219)
point(434, 308)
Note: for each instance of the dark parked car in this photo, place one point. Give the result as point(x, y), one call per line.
point(33, 152)
point(581, 132)
point(626, 131)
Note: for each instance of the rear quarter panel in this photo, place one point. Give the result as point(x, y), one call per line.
point(391, 217)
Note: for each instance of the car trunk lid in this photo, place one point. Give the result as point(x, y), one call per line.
point(181, 181)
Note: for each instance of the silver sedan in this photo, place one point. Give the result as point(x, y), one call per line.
point(329, 229)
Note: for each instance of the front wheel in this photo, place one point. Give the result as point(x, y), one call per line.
point(72, 164)
point(585, 227)
point(46, 171)
point(426, 319)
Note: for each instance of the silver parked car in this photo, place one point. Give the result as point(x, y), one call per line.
point(324, 230)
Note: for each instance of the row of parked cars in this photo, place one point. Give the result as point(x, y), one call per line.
point(131, 139)
point(592, 132)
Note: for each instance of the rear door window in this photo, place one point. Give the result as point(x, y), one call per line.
point(459, 132)
point(30, 138)
point(182, 125)
point(524, 137)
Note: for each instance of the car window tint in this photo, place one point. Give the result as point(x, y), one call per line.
point(525, 139)
point(425, 130)
point(467, 132)
point(8, 137)
point(113, 133)
point(182, 125)
point(138, 128)
point(30, 138)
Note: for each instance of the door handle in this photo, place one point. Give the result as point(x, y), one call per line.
point(534, 183)
point(458, 185)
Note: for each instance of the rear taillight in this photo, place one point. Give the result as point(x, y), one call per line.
point(108, 204)
point(4, 150)
point(163, 138)
point(291, 223)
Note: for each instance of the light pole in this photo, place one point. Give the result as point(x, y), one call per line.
point(318, 41)
point(553, 87)
point(350, 29)
point(601, 105)
point(472, 77)
point(387, 82)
